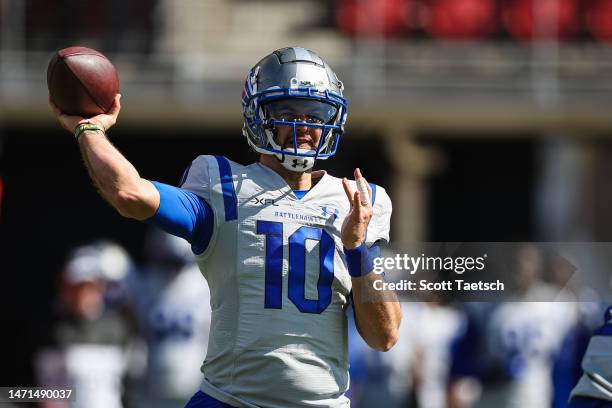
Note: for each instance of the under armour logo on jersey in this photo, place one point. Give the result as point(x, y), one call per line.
point(328, 211)
point(297, 162)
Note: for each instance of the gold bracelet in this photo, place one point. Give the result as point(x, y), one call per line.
point(78, 131)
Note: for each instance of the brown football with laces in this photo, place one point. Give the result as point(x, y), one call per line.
point(82, 81)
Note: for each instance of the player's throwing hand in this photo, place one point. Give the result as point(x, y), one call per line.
point(105, 120)
point(356, 222)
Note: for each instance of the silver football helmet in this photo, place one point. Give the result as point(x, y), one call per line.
point(293, 87)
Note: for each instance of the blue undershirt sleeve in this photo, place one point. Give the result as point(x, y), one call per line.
point(184, 214)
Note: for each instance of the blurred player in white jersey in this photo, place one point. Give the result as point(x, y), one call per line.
point(524, 335)
point(89, 345)
point(171, 302)
point(283, 247)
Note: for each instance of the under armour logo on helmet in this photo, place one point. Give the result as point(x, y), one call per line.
point(297, 162)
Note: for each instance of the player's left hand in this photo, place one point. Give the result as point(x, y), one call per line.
point(356, 222)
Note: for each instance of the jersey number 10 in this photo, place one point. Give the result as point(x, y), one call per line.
point(297, 267)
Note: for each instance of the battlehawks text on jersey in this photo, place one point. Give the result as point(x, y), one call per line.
point(279, 285)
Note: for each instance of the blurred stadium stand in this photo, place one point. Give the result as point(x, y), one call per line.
point(422, 56)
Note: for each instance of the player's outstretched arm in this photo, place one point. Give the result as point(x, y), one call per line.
point(377, 313)
point(116, 179)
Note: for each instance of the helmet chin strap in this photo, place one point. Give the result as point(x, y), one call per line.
point(295, 163)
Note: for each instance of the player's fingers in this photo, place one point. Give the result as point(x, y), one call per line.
point(369, 192)
point(363, 188)
point(116, 107)
point(347, 190)
point(357, 203)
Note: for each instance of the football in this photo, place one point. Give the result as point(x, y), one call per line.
point(82, 81)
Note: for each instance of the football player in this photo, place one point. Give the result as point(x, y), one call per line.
point(284, 248)
point(171, 303)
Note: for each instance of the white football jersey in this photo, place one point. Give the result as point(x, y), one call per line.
point(279, 285)
point(173, 312)
point(525, 336)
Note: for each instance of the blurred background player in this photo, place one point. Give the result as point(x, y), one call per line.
point(171, 302)
point(523, 351)
point(414, 373)
point(524, 335)
point(88, 348)
point(261, 228)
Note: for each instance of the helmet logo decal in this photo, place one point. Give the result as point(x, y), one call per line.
point(296, 83)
